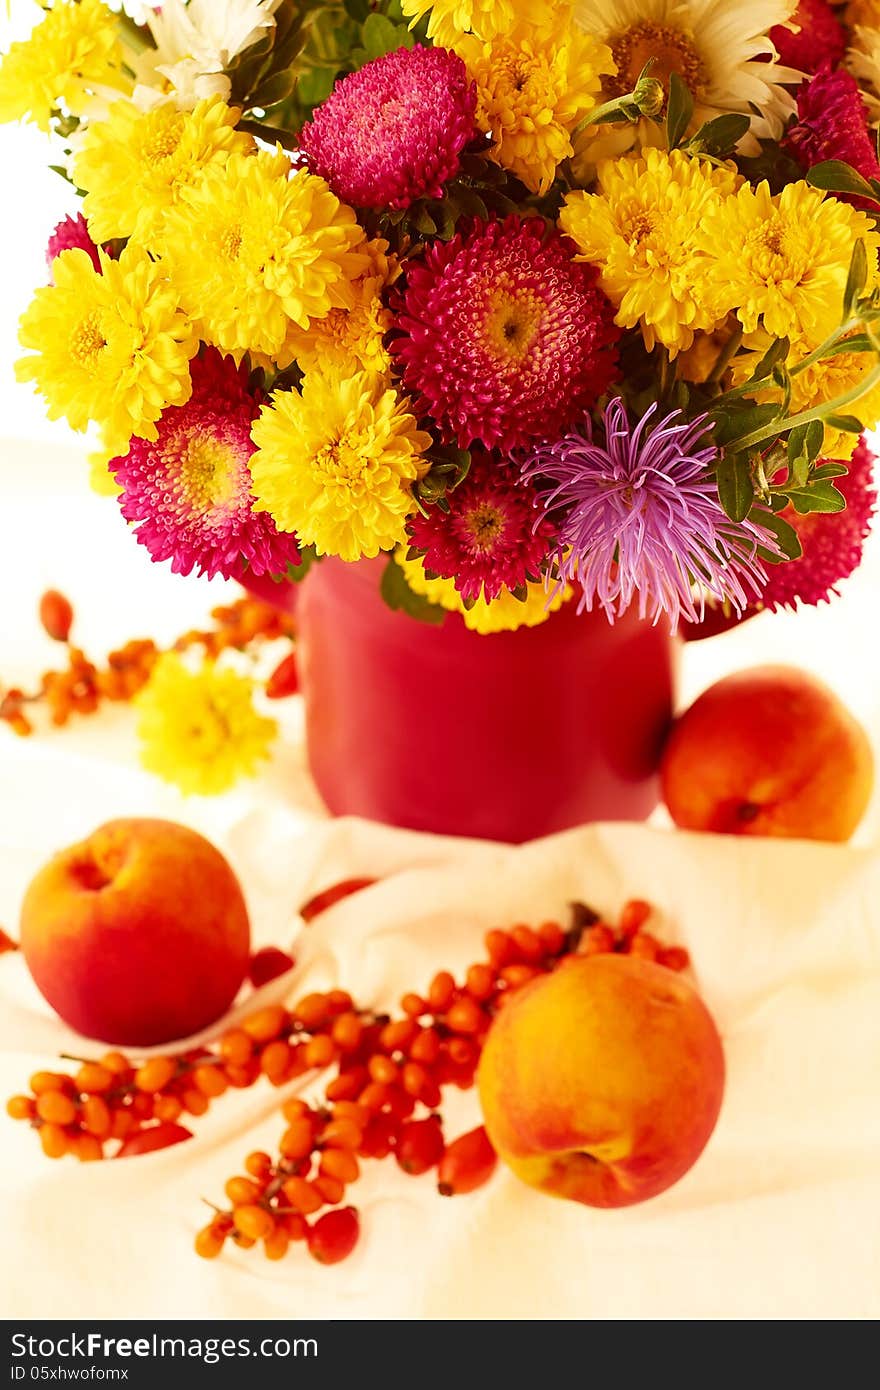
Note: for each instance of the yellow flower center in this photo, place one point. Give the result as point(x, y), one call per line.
point(484, 525)
point(670, 48)
point(87, 341)
point(205, 463)
point(775, 251)
point(340, 461)
point(230, 243)
point(162, 139)
point(512, 321)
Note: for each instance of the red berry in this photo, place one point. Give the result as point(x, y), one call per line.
point(420, 1146)
point(334, 1235)
point(147, 1141)
point(284, 680)
point(267, 964)
point(321, 901)
point(469, 1162)
point(56, 615)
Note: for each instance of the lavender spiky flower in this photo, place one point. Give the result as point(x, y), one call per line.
point(638, 515)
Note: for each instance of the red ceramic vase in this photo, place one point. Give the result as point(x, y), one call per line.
point(505, 737)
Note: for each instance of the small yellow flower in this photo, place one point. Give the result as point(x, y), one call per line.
point(781, 262)
point(349, 339)
point(199, 729)
point(135, 165)
point(505, 613)
point(253, 250)
point(450, 19)
point(336, 464)
point(532, 90)
point(642, 228)
point(113, 348)
point(73, 50)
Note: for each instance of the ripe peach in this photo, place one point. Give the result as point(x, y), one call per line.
point(768, 751)
point(139, 934)
point(602, 1081)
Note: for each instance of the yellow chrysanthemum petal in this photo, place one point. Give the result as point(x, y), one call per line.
point(347, 338)
point(111, 347)
point(642, 228)
point(506, 613)
point(199, 729)
point(450, 19)
point(532, 90)
point(781, 263)
point(135, 165)
point(71, 52)
point(336, 464)
point(253, 251)
point(101, 480)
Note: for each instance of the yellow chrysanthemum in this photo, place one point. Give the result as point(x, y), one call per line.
point(70, 53)
point(450, 19)
point(113, 347)
point(135, 165)
point(252, 249)
point(863, 12)
point(505, 613)
point(349, 339)
point(641, 228)
point(819, 383)
point(101, 480)
point(531, 92)
point(199, 729)
point(781, 262)
point(336, 464)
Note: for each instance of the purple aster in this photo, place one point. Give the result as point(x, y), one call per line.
point(638, 514)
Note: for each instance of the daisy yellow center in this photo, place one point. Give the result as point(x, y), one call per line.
point(205, 464)
point(484, 525)
point(162, 141)
point(340, 461)
point(230, 243)
point(669, 47)
point(88, 340)
point(512, 321)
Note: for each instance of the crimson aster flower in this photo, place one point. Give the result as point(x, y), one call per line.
point(490, 539)
point(638, 516)
point(72, 234)
point(819, 42)
point(503, 337)
point(188, 493)
point(393, 131)
point(832, 123)
point(832, 541)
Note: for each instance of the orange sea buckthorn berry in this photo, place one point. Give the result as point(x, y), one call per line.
point(56, 614)
point(194, 1101)
point(167, 1108)
point(413, 1005)
point(21, 1108)
point(400, 1105)
point(118, 1064)
point(54, 1141)
point(87, 1148)
point(480, 982)
point(334, 1236)
point(56, 1108)
point(259, 1165)
point(209, 1242)
point(374, 1095)
point(340, 1164)
point(295, 1109)
point(380, 1137)
point(275, 1061)
point(266, 1024)
point(425, 1047)
point(674, 958)
point(420, 1146)
point(93, 1080)
point(49, 1081)
point(242, 1241)
point(276, 1245)
point(331, 1190)
point(242, 1077)
point(633, 916)
point(339, 1001)
point(398, 1035)
point(320, 1051)
point(122, 1123)
point(431, 1094)
point(552, 938)
point(302, 1195)
point(383, 1070)
point(597, 940)
point(441, 992)
point(347, 1085)
point(462, 1051)
point(243, 1191)
point(236, 1047)
point(467, 1164)
point(528, 944)
point(142, 1106)
point(210, 1080)
point(96, 1118)
point(517, 975)
point(644, 946)
point(415, 1078)
point(347, 1031)
point(312, 1011)
point(295, 1225)
point(155, 1074)
point(298, 1140)
point(466, 1016)
point(341, 1134)
point(253, 1222)
point(499, 946)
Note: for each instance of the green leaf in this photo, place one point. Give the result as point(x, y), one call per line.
point(379, 36)
point(786, 536)
point(742, 418)
point(679, 109)
point(821, 496)
point(720, 136)
point(856, 279)
point(308, 556)
point(833, 176)
point(775, 354)
point(313, 86)
point(830, 470)
point(805, 441)
point(358, 9)
point(736, 491)
point(277, 89)
point(850, 424)
point(400, 597)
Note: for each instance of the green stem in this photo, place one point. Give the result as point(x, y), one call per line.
point(822, 349)
point(726, 355)
point(751, 441)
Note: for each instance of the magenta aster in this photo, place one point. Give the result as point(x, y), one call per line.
point(819, 42)
point(504, 338)
point(832, 541)
point(490, 539)
point(393, 131)
point(833, 124)
point(189, 492)
point(72, 234)
point(637, 514)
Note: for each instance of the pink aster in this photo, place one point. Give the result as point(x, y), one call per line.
point(819, 42)
point(393, 131)
point(502, 336)
point(832, 541)
point(833, 124)
point(189, 491)
point(72, 235)
point(491, 538)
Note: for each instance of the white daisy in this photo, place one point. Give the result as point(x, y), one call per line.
point(195, 44)
point(720, 48)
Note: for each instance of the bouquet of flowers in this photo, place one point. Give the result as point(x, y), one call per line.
point(544, 302)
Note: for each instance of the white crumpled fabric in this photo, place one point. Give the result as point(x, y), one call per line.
point(780, 1217)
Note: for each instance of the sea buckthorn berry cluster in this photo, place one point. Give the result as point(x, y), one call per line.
point(381, 1098)
point(81, 686)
